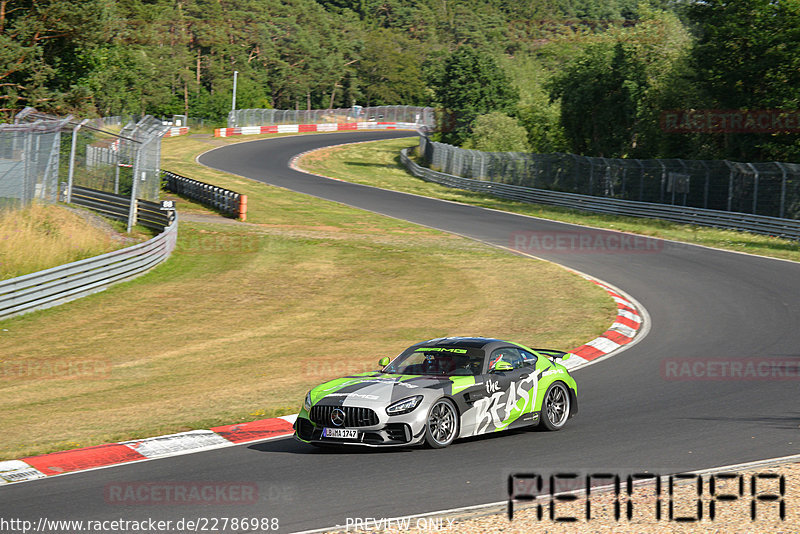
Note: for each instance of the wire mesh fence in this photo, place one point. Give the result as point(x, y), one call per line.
point(767, 188)
point(266, 117)
point(29, 158)
point(140, 144)
point(42, 156)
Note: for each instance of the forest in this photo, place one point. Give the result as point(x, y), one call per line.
point(589, 77)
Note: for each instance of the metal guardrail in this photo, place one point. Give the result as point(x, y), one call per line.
point(148, 214)
point(788, 228)
point(768, 189)
point(51, 287)
point(226, 201)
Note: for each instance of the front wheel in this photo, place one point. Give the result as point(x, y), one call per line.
point(441, 427)
point(555, 407)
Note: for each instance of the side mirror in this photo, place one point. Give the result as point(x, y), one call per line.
point(501, 366)
point(384, 361)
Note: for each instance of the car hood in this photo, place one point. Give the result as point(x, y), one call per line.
point(377, 389)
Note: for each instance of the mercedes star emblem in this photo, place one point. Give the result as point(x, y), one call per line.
point(337, 417)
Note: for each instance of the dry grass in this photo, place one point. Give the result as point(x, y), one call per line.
point(41, 236)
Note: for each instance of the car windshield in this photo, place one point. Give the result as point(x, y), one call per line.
point(438, 361)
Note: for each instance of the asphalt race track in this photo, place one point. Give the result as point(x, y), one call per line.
point(703, 303)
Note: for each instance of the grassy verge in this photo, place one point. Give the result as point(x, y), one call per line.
point(40, 236)
point(358, 163)
point(244, 318)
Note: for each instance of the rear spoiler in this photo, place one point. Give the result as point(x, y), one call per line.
point(555, 356)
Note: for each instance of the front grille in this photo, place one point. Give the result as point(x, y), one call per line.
point(353, 417)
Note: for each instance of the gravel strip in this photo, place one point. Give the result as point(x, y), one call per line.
point(733, 516)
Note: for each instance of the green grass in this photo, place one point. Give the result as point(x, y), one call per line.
point(244, 318)
point(359, 163)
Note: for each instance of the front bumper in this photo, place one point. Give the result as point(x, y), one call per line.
point(396, 434)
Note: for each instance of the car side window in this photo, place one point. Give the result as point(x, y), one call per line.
point(528, 359)
point(509, 355)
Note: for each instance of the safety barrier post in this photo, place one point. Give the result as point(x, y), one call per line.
point(242, 208)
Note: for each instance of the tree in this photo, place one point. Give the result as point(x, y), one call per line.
point(469, 83)
point(40, 42)
point(497, 132)
point(612, 95)
point(747, 56)
point(389, 69)
point(599, 96)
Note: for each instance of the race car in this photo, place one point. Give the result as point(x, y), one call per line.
point(439, 390)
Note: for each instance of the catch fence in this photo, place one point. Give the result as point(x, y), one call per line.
point(40, 152)
point(263, 117)
point(767, 189)
point(29, 158)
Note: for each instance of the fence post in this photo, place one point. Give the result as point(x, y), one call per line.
point(730, 184)
point(783, 189)
point(134, 188)
point(689, 185)
point(705, 189)
point(641, 178)
point(755, 186)
point(608, 189)
point(72, 150)
point(117, 159)
point(27, 188)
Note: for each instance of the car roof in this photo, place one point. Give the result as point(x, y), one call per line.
point(467, 342)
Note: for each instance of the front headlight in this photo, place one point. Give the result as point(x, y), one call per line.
point(307, 402)
point(404, 405)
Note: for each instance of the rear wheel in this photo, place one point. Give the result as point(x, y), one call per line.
point(555, 407)
point(441, 428)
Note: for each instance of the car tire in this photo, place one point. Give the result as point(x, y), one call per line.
point(441, 425)
point(555, 406)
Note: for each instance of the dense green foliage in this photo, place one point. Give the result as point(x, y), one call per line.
point(748, 56)
point(469, 83)
point(497, 132)
point(612, 94)
point(586, 76)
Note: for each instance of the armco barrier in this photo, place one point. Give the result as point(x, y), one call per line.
point(226, 201)
point(323, 127)
point(788, 228)
point(148, 214)
point(51, 287)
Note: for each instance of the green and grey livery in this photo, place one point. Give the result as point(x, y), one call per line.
point(439, 390)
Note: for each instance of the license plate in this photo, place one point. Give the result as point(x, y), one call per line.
point(340, 433)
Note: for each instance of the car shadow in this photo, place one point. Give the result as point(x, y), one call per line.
point(292, 446)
